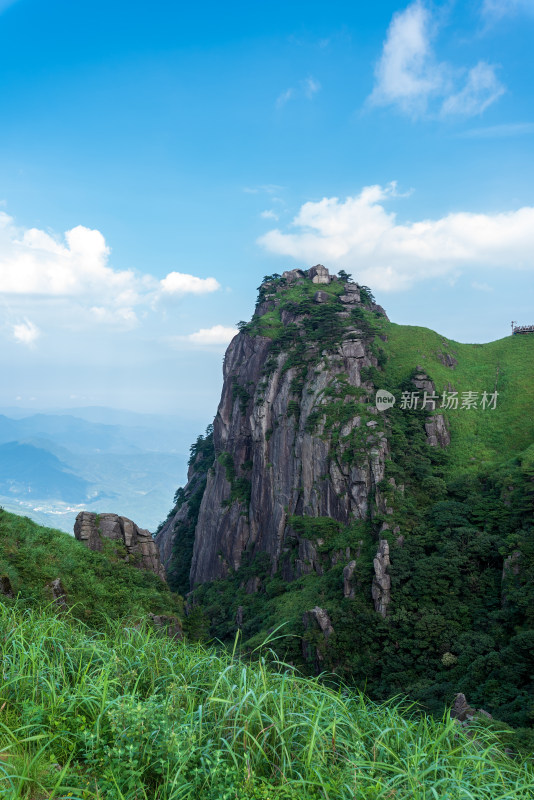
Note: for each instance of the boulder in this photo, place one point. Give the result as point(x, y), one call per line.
point(321, 297)
point(319, 616)
point(319, 274)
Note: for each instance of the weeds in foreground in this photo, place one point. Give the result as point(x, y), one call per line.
point(127, 714)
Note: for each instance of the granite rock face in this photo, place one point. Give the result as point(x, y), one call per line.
point(381, 589)
point(291, 468)
point(437, 433)
point(274, 457)
point(141, 549)
point(348, 587)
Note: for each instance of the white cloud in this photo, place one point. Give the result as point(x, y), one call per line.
point(26, 332)
point(482, 287)
point(359, 235)
point(409, 76)
point(182, 283)
point(35, 262)
point(218, 334)
point(269, 214)
point(481, 89)
point(67, 282)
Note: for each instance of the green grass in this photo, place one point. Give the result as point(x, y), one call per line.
point(127, 714)
point(97, 584)
point(478, 437)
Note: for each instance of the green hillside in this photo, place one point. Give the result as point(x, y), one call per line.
point(98, 585)
point(478, 437)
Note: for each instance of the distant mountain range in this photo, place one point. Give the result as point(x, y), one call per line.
point(53, 465)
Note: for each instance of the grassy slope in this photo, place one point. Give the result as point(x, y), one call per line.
point(478, 437)
point(128, 714)
point(96, 583)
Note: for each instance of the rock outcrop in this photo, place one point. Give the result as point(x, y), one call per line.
point(321, 617)
point(437, 433)
point(348, 586)
point(462, 712)
point(58, 593)
point(274, 456)
point(381, 589)
point(140, 548)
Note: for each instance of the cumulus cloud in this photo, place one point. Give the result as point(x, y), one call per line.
point(183, 283)
point(35, 262)
point(68, 280)
point(218, 334)
point(26, 332)
point(409, 76)
point(359, 235)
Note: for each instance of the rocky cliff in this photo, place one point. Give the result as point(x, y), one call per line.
point(296, 434)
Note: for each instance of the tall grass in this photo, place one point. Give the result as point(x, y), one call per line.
point(127, 714)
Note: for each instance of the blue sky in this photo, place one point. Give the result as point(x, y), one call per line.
point(157, 159)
